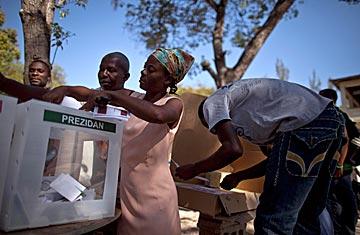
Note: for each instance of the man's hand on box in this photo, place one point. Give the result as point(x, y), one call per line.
point(186, 172)
point(229, 182)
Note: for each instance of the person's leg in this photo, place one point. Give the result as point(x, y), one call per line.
point(283, 194)
point(326, 225)
point(308, 218)
point(347, 200)
point(293, 168)
point(356, 185)
point(334, 208)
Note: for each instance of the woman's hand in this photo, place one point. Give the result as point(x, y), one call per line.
point(101, 99)
point(55, 95)
point(186, 172)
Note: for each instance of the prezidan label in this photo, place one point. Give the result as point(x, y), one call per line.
point(73, 120)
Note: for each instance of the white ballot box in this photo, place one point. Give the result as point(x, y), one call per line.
point(63, 168)
point(7, 116)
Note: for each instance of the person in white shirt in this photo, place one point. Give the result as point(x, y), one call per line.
point(306, 132)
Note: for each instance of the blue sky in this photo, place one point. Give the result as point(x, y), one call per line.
point(325, 37)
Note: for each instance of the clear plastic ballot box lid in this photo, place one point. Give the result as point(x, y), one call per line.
point(63, 168)
point(7, 116)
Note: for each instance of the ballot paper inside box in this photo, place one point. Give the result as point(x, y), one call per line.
point(7, 116)
point(63, 168)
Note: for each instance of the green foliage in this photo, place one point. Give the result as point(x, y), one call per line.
point(57, 76)
point(64, 11)
point(58, 33)
point(185, 23)
point(314, 81)
point(239, 39)
point(2, 18)
point(200, 90)
point(117, 3)
point(15, 71)
point(281, 71)
point(351, 1)
point(9, 51)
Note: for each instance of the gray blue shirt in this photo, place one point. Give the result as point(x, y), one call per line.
point(260, 108)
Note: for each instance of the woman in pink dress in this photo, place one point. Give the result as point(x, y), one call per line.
point(148, 196)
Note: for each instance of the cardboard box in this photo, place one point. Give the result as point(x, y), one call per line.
point(215, 201)
point(240, 223)
point(7, 117)
point(192, 142)
point(52, 140)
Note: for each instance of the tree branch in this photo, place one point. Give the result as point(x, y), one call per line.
point(206, 67)
point(212, 4)
point(260, 37)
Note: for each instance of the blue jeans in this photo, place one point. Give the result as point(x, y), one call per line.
point(326, 224)
point(298, 176)
point(342, 206)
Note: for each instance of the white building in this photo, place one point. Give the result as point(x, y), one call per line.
point(349, 88)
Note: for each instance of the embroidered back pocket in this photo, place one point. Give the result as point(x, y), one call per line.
point(307, 150)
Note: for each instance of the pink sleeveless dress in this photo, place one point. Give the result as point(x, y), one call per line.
point(148, 197)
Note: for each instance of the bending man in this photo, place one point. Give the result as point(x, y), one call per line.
point(306, 131)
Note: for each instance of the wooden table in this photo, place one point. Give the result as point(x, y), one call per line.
point(68, 229)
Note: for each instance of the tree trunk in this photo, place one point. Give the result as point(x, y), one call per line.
point(259, 39)
point(217, 42)
point(36, 17)
point(218, 36)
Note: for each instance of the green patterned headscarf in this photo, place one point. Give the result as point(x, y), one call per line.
point(176, 61)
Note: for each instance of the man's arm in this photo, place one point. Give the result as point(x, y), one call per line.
point(256, 171)
point(80, 93)
point(19, 90)
point(169, 112)
point(230, 150)
point(253, 172)
point(343, 152)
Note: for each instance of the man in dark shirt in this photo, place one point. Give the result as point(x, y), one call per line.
point(342, 204)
